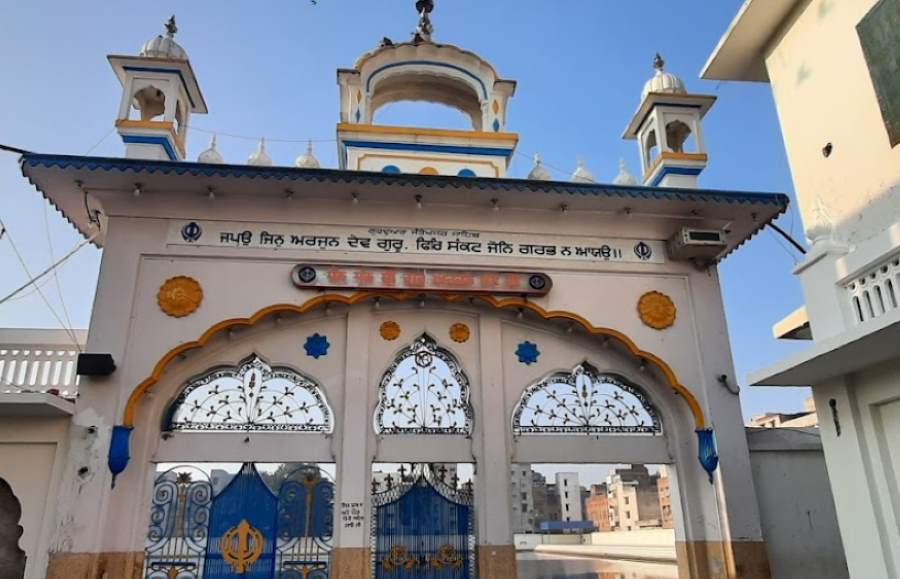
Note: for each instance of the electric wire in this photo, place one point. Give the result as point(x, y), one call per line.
point(33, 279)
point(59, 293)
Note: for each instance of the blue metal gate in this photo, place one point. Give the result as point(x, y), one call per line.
point(244, 531)
point(422, 527)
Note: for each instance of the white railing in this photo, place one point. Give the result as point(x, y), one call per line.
point(876, 291)
point(38, 361)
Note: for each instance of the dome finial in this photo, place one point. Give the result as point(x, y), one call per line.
point(260, 158)
point(171, 27)
point(582, 174)
point(658, 62)
point(308, 159)
point(624, 177)
point(424, 29)
point(538, 172)
point(211, 154)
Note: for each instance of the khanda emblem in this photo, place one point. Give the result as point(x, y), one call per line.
point(241, 546)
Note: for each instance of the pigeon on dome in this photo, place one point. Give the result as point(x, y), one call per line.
point(211, 155)
point(662, 81)
point(260, 158)
point(539, 172)
point(424, 28)
point(581, 174)
point(164, 46)
point(307, 160)
point(624, 177)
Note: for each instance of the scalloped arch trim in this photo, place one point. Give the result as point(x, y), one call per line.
point(497, 303)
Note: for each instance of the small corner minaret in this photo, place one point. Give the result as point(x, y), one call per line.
point(667, 129)
point(159, 93)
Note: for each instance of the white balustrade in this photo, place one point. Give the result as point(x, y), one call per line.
point(35, 367)
point(876, 291)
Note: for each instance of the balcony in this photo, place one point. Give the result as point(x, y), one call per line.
point(37, 371)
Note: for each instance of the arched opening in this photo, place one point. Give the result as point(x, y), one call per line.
point(407, 113)
point(434, 89)
point(651, 148)
point(12, 557)
point(150, 102)
point(680, 138)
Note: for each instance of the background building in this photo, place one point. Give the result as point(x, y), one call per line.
point(803, 419)
point(665, 499)
point(569, 488)
point(633, 498)
point(597, 507)
point(834, 69)
point(523, 505)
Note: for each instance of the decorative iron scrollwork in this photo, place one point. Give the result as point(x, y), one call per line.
point(424, 391)
point(585, 401)
point(252, 396)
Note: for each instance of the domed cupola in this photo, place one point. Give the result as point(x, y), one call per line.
point(211, 155)
point(539, 172)
point(424, 70)
point(662, 81)
point(164, 46)
point(307, 160)
point(667, 128)
point(159, 94)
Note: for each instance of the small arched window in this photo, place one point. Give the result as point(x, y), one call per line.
point(150, 101)
point(390, 169)
point(428, 171)
point(585, 401)
point(651, 149)
point(424, 391)
point(466, 173)
point(252, 396)
point(677, 135)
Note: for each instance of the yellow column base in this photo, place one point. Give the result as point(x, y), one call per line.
point(351, 563)
point(496, 561)
point(718, 560)
point(96, 565)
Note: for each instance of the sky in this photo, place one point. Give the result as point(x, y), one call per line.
point(268, 69)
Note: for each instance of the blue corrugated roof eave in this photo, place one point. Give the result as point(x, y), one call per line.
point(110, 164)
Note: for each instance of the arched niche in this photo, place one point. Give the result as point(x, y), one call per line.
point(431, 86)
point(12, 557)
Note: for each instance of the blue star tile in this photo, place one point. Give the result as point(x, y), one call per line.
point(316, 346)
point(527, 352)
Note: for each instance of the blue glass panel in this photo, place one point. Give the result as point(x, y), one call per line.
point(466, 173)
point(390, 169)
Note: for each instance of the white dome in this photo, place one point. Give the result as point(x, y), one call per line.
point(260, 158)
point(539, 172)
point(581, 174)
point(164, 46)
point(624, 177)
point(307, 160)
point(211, 155)
point(662, 81)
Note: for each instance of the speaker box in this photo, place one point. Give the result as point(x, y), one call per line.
point(95, 364)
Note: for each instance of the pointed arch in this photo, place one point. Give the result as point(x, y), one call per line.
point(585, 401)
point(252, 396)
point(520, 304)
point(424, 391)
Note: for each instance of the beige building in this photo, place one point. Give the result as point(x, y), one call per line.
point(804, 419)
point(633, 499)
point(834, 67)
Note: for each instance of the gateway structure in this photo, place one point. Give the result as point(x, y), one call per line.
point(415, 305)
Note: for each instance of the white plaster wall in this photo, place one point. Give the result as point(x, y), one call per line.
point(413, 162)
point(824, 94)
point(796, 504)
point(128, 323)
point(863, 465)
point(32, 454)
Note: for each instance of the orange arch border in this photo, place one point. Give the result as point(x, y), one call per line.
point(497, 303)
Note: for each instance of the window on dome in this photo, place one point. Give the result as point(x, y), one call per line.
point(584, 401)
point(680, 138)
point(252, 396)
point(424, 391)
